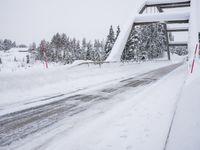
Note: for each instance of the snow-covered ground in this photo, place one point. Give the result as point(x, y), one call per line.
point(186, 125)
point(37, 82)
point(135, 120)
point(131, 120)
point(163, 114)
point(14, 59)
point(138, 118)
point(140, 122)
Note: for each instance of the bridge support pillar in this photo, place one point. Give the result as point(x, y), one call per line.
point(167, 38)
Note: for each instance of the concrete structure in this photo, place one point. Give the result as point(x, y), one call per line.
point(189, 18)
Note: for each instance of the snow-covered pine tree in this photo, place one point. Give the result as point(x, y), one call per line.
point(117, 32)
point(89, 51)
point(27, 59)
point(78, 50)
point(73, 49)
point(102, 51)
point(14, 44)
point(97, 50)
point(1, 45)
point(131, 50)
point(7, 44)
point(45, 47)
point(57, 45)
point(146, 41)
point(64, 42)
point(84, 49)
point(110, 41)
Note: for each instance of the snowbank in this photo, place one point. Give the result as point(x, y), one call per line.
point(14, 59)
point(185, 130)
point(138, 122)
point(40, 82)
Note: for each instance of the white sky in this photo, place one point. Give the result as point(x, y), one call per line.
point(25, 21)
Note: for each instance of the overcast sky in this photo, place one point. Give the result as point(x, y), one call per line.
point(26, 21)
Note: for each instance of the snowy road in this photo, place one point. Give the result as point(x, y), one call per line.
point(18, 125)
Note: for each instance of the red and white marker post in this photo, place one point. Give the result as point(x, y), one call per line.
point(193, 62)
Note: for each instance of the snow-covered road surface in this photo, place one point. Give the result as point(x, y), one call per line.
point(18, 126)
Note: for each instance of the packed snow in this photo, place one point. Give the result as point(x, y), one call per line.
point(163, 114)
point(14, 59)
point(134, 119)
point(161, 17)
point(186, 125)
point(37, 82)
point(151, 2)
point(139, 123)
point(131, 120)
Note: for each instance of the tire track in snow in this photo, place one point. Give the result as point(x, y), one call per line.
point(18, 125)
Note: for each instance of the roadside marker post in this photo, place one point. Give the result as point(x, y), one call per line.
point(193, 62)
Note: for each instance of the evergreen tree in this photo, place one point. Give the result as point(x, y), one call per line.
point(131, 48)
point(66, 50)
point(78, 50)
point(57, 46)
point(44, 49)
point(89, 51)
point(146, 41)
point(27, 59)
point(110, 41)
point(84, 49)
point(73, 49)
point(14, 44)
point(118, 32)
point(97, 50)
point(102, 51)
point(56, 41)
point(1, 45)
point(7, 44)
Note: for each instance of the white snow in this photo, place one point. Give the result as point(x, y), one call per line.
point(177, 28)
point(151, 2)
point(131, 120)
point(161, 17)
point(194, 28)
point(140, 123)
point(136, 119)
point(178, 42)
point(13, 59)
point(119, 45)
point(37, 82)
point(185, 130)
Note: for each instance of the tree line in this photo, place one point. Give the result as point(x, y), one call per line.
point(146, 42)
point(66, 50)
point(6, 44)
